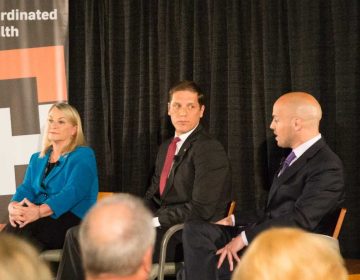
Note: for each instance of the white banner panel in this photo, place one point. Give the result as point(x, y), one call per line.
point(33, 59)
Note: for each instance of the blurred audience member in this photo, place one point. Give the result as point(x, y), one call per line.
point(117, 239)
point(19, 260)
point(289, 253)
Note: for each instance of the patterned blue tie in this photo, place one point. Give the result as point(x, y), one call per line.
point(287, 162)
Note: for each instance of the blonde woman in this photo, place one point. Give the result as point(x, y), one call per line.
point(19, 260)
point(289, 253)
point(60, 183)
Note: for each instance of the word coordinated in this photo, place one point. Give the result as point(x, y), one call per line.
point(15, 15)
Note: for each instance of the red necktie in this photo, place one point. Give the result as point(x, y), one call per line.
point(168, 163)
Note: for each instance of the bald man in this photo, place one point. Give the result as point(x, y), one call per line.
point(306, 192)
point(117, 239)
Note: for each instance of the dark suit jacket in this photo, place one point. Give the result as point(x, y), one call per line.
point(199, 185)
point(306, 194)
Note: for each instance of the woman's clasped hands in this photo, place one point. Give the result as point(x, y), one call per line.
point(23, 212)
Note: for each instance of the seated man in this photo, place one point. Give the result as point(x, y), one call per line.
point(307, 189)
point(191, 179)
point(117, 239)
point(290, 253)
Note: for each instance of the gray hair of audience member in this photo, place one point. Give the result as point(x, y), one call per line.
point(115, 236)
point(20, 260)
point(289, 253)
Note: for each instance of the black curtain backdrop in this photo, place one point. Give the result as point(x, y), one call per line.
point(125, 55)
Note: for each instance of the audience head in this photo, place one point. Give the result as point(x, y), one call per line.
point(296, 119)
point(186, 106)
point(20, 260)
point(288, 253)
point(63, 124)
point(117, 239)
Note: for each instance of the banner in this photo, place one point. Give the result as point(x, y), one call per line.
point(33, 61)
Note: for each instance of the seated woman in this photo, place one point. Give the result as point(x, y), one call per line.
point(60, 183)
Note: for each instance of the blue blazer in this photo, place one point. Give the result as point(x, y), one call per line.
point(72, 185)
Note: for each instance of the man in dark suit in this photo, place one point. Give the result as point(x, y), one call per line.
point(198, 185)
point(192, 184)
point(305, 192)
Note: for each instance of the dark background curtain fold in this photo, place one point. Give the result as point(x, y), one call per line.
point(124, 56)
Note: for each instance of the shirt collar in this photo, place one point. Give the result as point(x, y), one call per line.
point(183, 138)
point(298, 151)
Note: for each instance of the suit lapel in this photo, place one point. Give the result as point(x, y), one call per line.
point(180, 157)
point(56, 169)
point(294, 168)
point(41, 171)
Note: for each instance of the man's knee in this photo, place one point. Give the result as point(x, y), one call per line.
point(195, 229)
point(72, 235)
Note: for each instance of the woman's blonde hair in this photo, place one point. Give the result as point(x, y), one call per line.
point(72, 116)
point(294, 254)
point(19, 260)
